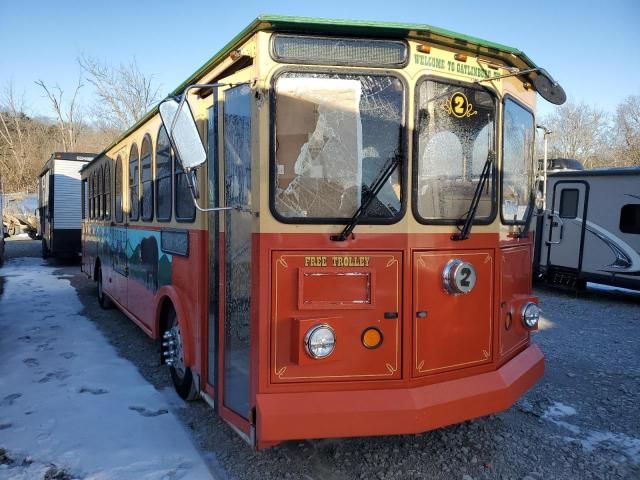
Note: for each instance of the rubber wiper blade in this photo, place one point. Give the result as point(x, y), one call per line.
point(374, 189)
point(473, 208)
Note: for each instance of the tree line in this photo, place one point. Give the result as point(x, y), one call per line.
point(123, 94)
point(594, 136)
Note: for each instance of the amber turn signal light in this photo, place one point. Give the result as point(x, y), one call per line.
point(372, 338)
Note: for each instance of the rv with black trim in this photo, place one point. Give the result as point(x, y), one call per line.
point(590, 228)
point(60, 203)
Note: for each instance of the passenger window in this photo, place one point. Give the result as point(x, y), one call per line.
point(630, 218)
point(569, 203)
point(147, 179)
point(84, 198)
point(92, 198)
point(134, 179)
point(100, 191)
point(118, 182)
point(164, 187)
point(107, 191)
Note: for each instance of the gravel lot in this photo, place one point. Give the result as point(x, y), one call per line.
point(581, 421)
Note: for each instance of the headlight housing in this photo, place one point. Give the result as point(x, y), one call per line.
point(530, 315)
point(320, 341)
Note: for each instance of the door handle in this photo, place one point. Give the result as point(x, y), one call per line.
point(421, 314)
point(553, 215)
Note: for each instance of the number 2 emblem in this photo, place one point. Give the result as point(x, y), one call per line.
point(458, 105)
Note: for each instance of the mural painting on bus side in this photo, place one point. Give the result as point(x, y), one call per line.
point(147, 263)
point(136, 254)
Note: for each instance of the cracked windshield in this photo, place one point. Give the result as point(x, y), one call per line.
point(334, 134)
point(456, 128)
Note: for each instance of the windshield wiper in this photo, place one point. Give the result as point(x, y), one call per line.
point(471, 213)
point(373, 191)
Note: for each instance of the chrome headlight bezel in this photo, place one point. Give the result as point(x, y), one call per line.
point(530, 315)
point(312, 336)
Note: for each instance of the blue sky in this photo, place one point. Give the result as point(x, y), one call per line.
point(589, 47)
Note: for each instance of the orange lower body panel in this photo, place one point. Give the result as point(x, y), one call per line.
point(289, 416)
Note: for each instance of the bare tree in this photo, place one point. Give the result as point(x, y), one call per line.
point(125, 94)
point(67, 116)
point(628, 129)
point(581, 132)
point(24, 142)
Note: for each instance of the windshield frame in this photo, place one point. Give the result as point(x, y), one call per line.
point(532, 194)
point(403, 144)
point(497, 121)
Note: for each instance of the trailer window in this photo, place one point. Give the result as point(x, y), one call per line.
point(455, 134)
point(569, 203)
point(630, 218)
point(92, 196)
point(147, 179)
point(164, 190)
point(517, 162)
point(118, 182)
point(334, 133)
point(134, 179)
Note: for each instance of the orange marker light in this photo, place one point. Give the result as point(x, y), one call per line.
point(372, 338)
point(424, 48)
point(461, 57)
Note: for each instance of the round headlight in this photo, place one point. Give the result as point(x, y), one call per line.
point(530, 315)
point(320, 341)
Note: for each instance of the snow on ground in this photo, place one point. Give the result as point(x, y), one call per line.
point(66, 398)
point(609, 288)
point(591, 439)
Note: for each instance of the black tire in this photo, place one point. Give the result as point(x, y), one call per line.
point(46, 253)
point(104, 301)
point(182, 377)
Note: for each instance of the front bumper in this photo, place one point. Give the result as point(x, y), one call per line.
point(289, 416)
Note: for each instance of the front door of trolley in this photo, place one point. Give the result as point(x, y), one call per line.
point(236, 268)
point(566, 224)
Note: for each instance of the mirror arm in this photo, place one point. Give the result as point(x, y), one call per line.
point(506, 75)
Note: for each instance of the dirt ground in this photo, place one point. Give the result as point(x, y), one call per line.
point(581, 421)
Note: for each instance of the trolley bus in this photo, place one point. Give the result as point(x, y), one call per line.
point(326, 227)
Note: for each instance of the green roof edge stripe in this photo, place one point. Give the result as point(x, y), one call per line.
point(326, 25)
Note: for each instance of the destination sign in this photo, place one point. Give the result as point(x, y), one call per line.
point(453, 66)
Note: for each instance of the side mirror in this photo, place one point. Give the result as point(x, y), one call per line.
point(183, 133)
point(548, 88)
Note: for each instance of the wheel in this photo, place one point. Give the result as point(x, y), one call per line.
point(173, 355)
point(104, 301)
point(45, 250)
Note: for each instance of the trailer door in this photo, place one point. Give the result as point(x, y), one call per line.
point(566, 225)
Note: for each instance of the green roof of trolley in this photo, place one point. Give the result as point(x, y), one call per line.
point(330, 26)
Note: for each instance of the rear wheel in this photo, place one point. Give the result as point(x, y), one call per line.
point(104, 301)
point(173, 354)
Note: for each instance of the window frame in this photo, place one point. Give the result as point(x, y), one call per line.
point(404, 144)
point(415, 152)
point(170, 177)
point(84, 185)
point(137, 217)
point(146, 138)
point(531, 205)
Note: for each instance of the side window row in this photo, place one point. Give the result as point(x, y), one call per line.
point(151, 194)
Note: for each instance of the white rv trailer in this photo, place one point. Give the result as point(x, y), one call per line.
point(590, 230)
point(60, 203)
